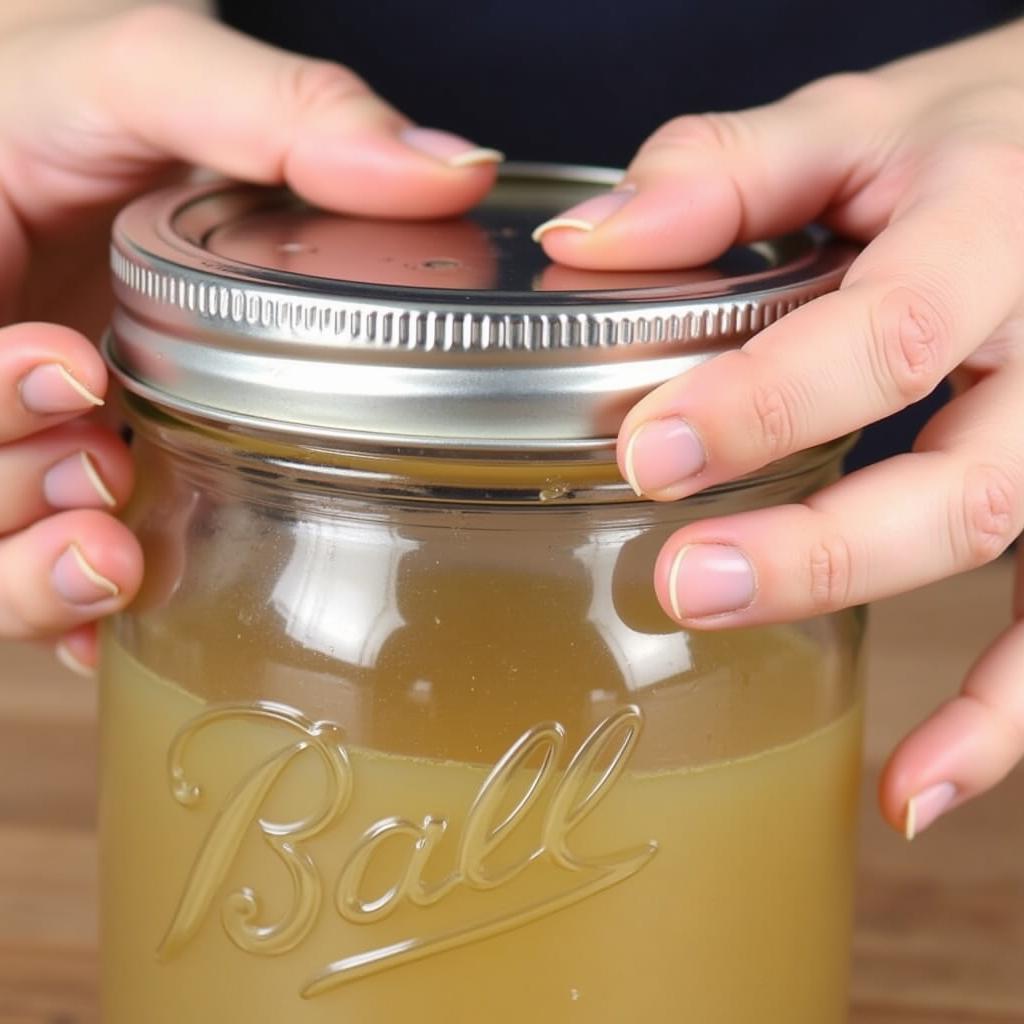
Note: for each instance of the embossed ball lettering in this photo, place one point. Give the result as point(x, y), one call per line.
point(522, 777)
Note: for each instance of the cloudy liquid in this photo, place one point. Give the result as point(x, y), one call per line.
point(260, 869)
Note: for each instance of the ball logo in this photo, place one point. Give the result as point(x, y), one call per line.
point(526, 783)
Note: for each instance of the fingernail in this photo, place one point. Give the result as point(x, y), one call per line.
point(67, 658)
point(75, 482)
point(449, 149)
point(710, 579)
point(661, 453)
point(52, 388)
point(927, 806)
point(78, 582)
point(588, 214)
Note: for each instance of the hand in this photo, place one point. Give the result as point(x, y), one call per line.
point(924, 160)
point(92, 112)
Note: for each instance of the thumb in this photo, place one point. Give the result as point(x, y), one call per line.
point(702, 182)
point(123, 95)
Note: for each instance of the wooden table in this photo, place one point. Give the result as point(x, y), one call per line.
point(940, 930)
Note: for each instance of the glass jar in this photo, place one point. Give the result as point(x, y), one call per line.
point(396, 729)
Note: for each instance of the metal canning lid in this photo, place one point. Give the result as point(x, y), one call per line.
point(243, 305)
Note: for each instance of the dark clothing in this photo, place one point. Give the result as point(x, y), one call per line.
point(585, 82)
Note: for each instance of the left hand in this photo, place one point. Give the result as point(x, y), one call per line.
point(924, 160)
point(88, 120)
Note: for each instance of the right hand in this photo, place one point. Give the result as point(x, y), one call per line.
point(91, 113)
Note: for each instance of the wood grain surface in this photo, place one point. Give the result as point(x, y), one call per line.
point(940, 924)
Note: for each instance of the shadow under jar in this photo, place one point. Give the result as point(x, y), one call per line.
point(396, 729)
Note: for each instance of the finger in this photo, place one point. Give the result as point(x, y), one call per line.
point(160, 82)
point(954, 504)
point(917, 301)
point(67, 570)
point(78, 651)
point(967, 746)
point(77, 465)
point(48, 374)
point(702, 182)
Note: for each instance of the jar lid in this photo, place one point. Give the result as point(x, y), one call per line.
point(245, 306)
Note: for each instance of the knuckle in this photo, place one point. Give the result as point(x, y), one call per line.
point(986, 519)
point(774, 420)
point(911, 344)
point(713, 131)
point(308, 85)
point(829, 574)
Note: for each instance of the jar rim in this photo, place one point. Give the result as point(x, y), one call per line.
point(200, 330)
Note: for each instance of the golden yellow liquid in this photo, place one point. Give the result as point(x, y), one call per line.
point(717, 892)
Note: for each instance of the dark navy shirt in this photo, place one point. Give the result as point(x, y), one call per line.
point(586, 82)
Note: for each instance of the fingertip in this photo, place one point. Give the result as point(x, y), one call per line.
point(47, 373)
point(957, 753)
point(626, 457)
point(449, 149)
point(107, 465)
point(30, 343)
point(660, 225)
point(666, 570)
point(391, 174)
point(660, 403)
point(926, 807)
point(66, 570)
point(564, 222)
point(910, 807)
point(664, 459)
point(78, 651)
point(112, 549)
point(895, 792)
point(95, 561)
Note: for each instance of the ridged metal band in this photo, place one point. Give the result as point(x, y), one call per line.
point(245, 339)
point(254, 311)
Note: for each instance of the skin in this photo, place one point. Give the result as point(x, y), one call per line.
point(86, 123)
point(922, 159)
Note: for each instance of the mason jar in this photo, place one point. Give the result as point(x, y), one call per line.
point(396, 729)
